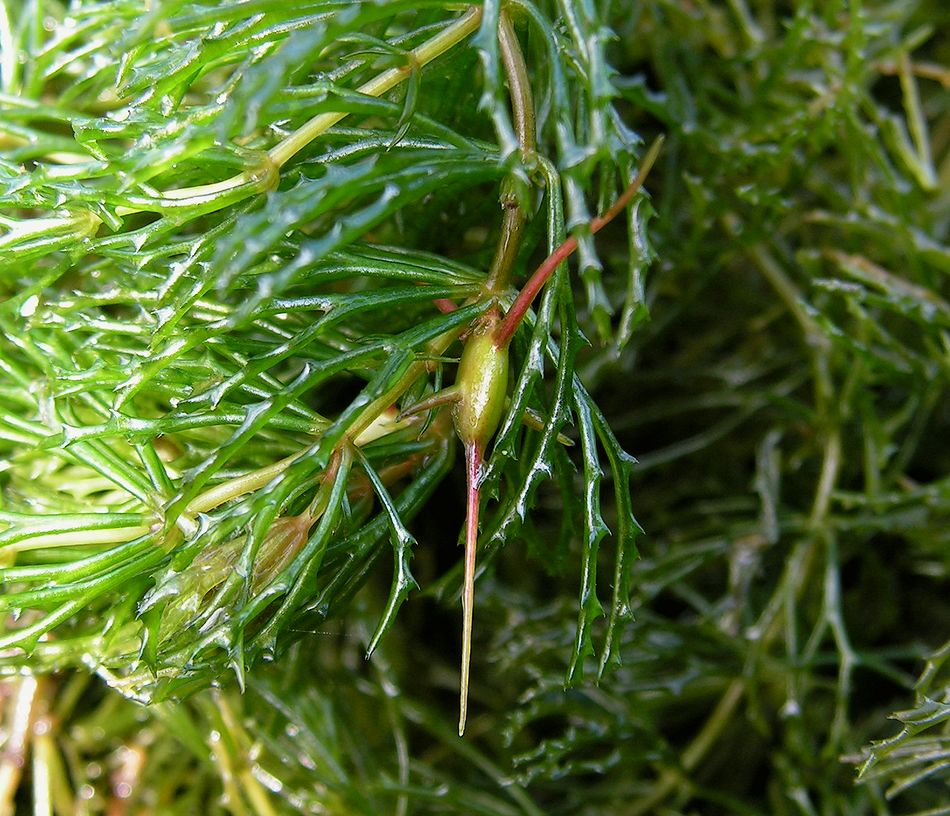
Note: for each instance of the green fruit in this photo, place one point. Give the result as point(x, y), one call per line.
point(482, 383)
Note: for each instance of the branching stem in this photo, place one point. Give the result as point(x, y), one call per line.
point(417, 369)
point(434, 47)
point(263, 177)
point(509, 325)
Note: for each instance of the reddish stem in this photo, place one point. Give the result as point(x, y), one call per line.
point(509, 325)
point(445, 305)
point(473, 467)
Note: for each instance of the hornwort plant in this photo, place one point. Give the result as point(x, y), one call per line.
point(228, 310)
point(266, 270)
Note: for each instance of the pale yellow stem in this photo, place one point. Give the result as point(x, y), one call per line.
point(264, 177)
point(76, 538)
point(78, 225)
point(18, 725)
point(422, 55)
point(233, 488)
point(380, 425)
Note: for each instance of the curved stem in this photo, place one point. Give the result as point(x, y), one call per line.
point(522, 103)
point(522, 108)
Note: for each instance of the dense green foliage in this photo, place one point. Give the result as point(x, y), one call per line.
point(228, 236)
